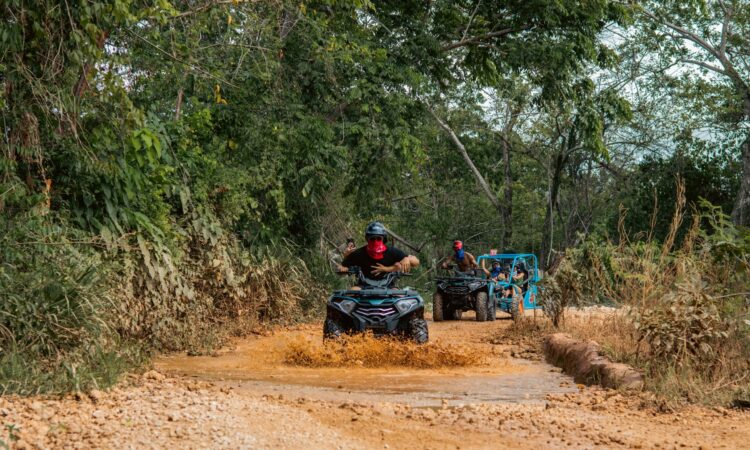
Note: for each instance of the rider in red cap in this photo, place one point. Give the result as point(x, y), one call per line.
point(376, 259)
point(462, 259)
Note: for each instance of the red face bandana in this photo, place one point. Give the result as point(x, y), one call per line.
point(376, 248)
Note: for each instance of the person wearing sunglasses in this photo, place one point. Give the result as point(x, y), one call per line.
point(377, 259)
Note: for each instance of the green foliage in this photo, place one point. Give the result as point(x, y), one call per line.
point(708, 177)
point(56, 311)
point(172, 172)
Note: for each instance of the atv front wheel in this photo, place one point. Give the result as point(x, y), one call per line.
point(481, 306)
point(418, 331)
point(437, 307)
point(516, 305)
point(491, 310)
point(332, 330)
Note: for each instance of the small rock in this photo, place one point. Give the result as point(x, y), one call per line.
point(154, 375)
point(96, 395)
point(37, 407)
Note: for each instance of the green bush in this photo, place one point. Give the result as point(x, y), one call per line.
point(55, 311)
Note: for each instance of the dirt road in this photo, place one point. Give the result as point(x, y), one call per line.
point(246, 396)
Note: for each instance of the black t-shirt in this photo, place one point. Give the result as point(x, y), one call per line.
point(360, 258)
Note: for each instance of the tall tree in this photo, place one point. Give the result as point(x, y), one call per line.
point(712, 37)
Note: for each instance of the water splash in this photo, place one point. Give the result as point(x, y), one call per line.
point(365, 350)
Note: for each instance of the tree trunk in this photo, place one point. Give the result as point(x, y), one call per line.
point(83, 79)
point(741, 211)
point(178, 106)
point(507, 207)
point(554, 188)
point(477, 175)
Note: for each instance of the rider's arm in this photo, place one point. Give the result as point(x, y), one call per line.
point(405, 265)
point(484, 268)
point(472, 261)
point(411, 261)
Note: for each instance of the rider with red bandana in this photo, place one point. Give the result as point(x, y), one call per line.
point(376, 259)
point(464, 260)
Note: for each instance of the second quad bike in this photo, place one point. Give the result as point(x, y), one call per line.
point(378, 307)
point(459, 292)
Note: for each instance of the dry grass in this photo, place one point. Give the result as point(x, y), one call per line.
point(686, 325)
point(613, 330)
point(721, 380)
point(365, 350)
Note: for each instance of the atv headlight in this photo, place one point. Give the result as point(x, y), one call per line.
point(347, 305)
point(407, 304)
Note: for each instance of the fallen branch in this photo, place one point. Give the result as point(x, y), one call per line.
point(405, 242)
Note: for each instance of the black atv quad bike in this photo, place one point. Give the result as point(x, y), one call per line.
point(379, 307)
point(462, 291)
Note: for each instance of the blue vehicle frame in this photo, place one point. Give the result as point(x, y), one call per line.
point(524, 294)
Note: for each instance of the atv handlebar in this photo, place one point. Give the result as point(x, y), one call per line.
point(355, 270)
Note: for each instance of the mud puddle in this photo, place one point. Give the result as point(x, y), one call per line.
point(257, 365)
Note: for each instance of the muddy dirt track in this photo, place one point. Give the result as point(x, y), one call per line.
point(246, 396)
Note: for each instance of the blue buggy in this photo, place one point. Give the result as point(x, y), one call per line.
point(518, 291)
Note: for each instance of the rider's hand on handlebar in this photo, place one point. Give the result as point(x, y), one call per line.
point(379, 269)
point(403, 266)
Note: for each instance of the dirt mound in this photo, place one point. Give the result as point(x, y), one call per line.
point(583, 361)
point(365, 350)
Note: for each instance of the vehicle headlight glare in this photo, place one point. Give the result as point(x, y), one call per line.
point(347, 305)
point(405, 305)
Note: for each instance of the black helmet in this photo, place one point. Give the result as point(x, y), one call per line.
point(375, 229)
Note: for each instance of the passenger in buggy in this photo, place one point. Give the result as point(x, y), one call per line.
point(496, 273)
point(521, 277)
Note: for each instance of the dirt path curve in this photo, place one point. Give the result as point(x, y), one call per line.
point(245, 397)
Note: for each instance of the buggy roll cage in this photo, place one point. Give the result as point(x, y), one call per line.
point(527, 259)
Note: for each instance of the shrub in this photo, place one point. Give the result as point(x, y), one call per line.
point(687, 305)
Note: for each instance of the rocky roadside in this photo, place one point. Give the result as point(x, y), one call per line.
point(591, 418)
point(153, 411)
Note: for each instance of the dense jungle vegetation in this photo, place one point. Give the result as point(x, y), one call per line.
point(175, 172)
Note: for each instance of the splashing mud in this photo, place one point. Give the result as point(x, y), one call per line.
point(365, 350)
point(459, 365)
